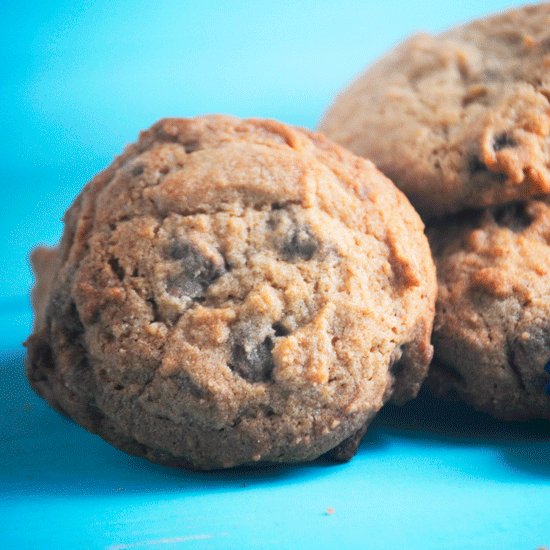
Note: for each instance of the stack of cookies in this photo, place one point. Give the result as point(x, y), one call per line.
point(461, 123)
point(238, 291)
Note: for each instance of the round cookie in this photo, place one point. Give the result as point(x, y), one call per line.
point(457, 120)
point(232, 291)
point(492, 327)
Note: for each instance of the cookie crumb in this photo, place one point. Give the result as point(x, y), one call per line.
point(329, 512)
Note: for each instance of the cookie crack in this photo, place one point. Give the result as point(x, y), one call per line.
point(161, 217)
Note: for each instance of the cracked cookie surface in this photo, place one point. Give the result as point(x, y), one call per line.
point(459, 120)
point(232, 291)
point(492, 326)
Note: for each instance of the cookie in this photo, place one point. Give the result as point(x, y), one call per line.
point(459, 120)
point(492, 326)
point(233, 291)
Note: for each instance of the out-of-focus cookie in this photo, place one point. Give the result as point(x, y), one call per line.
point(457, 120)
point(232, 291)
point(492, 326)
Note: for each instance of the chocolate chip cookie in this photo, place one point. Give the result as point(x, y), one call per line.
point(492, 326)
point(232, 291)
point(457, 120)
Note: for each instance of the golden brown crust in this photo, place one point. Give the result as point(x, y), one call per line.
point(232, 291)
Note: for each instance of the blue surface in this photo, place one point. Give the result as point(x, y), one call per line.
point(77, 82)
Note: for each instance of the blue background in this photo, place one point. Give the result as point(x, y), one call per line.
point(78, 80)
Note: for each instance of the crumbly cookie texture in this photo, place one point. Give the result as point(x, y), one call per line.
point(232, 291)
point(492, 326)
point(457, 120)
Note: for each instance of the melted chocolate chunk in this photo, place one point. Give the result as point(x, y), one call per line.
point(117, 269)
point(302, 245)
point(137, 170)
point(513, 216)
point(280, 330)
point(502, 141)
point(197, 272)
point(252, 362)
point(476, 165)
point(192, 146)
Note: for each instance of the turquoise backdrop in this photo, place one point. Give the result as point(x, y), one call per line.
point(78, 80)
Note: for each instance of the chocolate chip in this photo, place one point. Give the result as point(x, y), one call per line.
point(137, 170)
point(513, 216)
point(502, 141)
point(191, 146)
point(293, 240)
point(280, 330)
point(491, 75)
point(117, 269)
point(155, 311)
point(476, 165)
point(302, 245)
point(197, 272)
point(252, 362)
